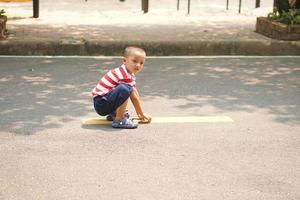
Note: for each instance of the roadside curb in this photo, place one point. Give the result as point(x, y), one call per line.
point(153, 48)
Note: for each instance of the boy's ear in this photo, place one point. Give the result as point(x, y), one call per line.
point(124, 60)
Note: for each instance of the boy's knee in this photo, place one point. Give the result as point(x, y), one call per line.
point(101, 105)
point(125, 89)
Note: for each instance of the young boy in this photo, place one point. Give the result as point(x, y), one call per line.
point(113, 91)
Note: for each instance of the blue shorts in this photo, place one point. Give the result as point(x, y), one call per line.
point(109, 103)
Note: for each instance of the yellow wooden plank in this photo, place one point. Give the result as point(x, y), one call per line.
point(187, 119)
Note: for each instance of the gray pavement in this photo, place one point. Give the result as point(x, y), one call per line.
point(45, 153)
point(106, 27)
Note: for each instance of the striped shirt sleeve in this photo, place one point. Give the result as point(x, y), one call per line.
point(111, 79)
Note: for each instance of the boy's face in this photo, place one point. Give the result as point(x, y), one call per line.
point(134, 63)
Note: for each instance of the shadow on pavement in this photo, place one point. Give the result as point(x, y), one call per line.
point(45, 93)
point(230, 84)
point(103, 127)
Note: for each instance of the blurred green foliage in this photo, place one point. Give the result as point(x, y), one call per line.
point(291, 16)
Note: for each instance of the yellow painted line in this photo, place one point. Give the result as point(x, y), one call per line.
point(189, 119)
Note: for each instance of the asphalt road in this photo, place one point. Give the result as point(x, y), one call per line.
point(45, 152)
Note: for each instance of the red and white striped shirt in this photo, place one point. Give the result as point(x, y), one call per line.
point(112, 79)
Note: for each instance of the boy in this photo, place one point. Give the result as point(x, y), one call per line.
point(113, 91)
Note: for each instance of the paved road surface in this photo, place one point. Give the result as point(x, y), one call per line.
point(46, 153)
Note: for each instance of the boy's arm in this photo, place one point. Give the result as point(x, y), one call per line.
point(135, 99)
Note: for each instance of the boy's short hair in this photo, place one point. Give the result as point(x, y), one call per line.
point(131, 49)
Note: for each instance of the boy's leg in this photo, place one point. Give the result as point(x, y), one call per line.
point(109, 103)
point(114, 99)
point(121, 120)
point(121, 110)
point(112, 116)
point(119, 98)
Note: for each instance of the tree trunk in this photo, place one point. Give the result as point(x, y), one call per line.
point(282, 5)
point(3, 31)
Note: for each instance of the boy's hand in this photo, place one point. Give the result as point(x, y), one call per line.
point(145, 118)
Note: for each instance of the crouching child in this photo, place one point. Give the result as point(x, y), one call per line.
point(116, 87)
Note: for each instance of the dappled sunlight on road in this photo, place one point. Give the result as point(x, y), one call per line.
point(228, 85)
point(39, 95)
point(44, 93)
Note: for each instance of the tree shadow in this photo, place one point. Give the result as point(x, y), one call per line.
point(46, 93)
point(16, 18)
point(229, 84)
